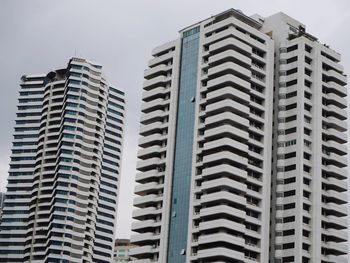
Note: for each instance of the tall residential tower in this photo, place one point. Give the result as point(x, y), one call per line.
point(61, 198)
point(242, 148)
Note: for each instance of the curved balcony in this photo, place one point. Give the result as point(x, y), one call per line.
point(142, 212)
point(158, 92)
point(221, 237)
point(221, 223)
point(145, 224)
point(153, 105)
point(338, 173)
point(149, 175)
point(153, 139)
point(220, 252)
point(152, 128)
point(339, 185)
point(336, 222)
point(142, 201)
point(228, 80)
point(162, 59)
point(227, 105)
point(224, 183)
point(336, 77)
point(143, 251)
point(225, 196)
point(223, 211)
point(228, 131)
point(336, 135)
point(149, 152)
point(224, 170)
point(157, 115)
point(228, 67)
point(336, 88)
point(148, 164)
point(144, 238)
point(335, 111)
point(218, 144)
point(225, 155)
point(336, 100)
point(224, 51)
point(228, 92)
point(339, 210)
point(337, 248)
point(227, 117)
point(161, 69)
point(144, 189)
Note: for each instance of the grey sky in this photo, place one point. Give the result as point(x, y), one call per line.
point(37, 36)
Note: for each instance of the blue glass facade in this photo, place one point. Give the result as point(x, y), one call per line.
point(183, 147)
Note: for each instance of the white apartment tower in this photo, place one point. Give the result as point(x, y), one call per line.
point(61, 198)
point(242, 148)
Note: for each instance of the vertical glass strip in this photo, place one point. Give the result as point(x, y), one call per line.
point(181, 183)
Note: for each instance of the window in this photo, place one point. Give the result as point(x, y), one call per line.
point(292, 48)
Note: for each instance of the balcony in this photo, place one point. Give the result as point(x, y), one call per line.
point(144, 238)
point(157, 115)
point(229, 106)
point(227, 131)
point(142, 212)
point(338, 173)
point(149, 175)
point(144, 189)
point(157, 70)
point(151, 163)
point(222, 210)
point(228, 67)
point(153, 139)
point(336, 88)
point(158, 92)
point(337, 136)
point(337, 248)
point(142, 201)
point(227, 117)
point(228, 92)
point(225, 155)
point(228, 80)
point(225, 170)
point(337, 77)
point(335, 123)
point(333, 110)
point(227, 50)
point(144, 250)
point(223, 196)
point(220, 252)
point(224, 183)
point(149, 152)
point(156, 82)
point(163, 59)
point(221, 224)
point(336, 100)
point(156, 104)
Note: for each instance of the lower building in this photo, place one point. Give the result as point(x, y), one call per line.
point(121, 250)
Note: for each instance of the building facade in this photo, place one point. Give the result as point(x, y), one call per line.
point(231, 94)
point(61, 198)
point(121, 250)
point(2, 200)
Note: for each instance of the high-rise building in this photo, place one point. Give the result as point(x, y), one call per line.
point(61, 198)
point(2, 199)
point(242, 148)
point(121, 250)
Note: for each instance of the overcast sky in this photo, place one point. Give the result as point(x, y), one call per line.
point(38, 36)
